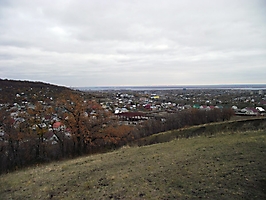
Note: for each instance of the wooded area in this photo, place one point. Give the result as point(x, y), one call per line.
point(41, 123)
point(76, 126)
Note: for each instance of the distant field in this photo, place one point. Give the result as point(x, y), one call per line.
point(228, 165)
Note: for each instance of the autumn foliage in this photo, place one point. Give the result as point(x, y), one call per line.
point(73, 125)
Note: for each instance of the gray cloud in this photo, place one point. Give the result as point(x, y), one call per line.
point(89, 43)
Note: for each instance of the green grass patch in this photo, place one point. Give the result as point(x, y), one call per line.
point(240, 125)
point(228, 165)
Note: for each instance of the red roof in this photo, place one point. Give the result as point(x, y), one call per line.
point(57, 124)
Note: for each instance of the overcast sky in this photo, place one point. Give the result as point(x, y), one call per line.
point(126, 42)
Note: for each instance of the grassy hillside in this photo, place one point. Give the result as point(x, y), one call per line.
point(228, 165)
point(242, 124)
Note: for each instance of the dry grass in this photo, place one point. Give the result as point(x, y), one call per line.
point(224, 166)
point(235, 125)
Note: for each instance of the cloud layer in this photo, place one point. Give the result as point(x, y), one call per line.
point(108, 43)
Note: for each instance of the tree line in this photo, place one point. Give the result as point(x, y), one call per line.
point(75, 126)
point(184, 119)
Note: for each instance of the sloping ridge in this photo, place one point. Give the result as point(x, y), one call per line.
point(225, 165)
point(205, 130)
point(9, 88)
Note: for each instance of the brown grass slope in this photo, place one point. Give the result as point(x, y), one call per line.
point(242, 124)
point(224, 165)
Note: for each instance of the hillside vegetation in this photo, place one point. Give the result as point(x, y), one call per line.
point(41, 123)
point(221, 165)
point(28, 90)
point(244, 124)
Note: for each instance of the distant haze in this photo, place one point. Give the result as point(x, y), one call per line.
point(179, 87)
point(125, 43)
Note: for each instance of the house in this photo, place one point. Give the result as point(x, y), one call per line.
point(234, 107)
point(212, 107)
point(147, 106)
point(155, 97)
point(218, 107)
point(197, 106)
point(57, 126)
point(260, 109)
point(249, 111)
point(205, 107)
